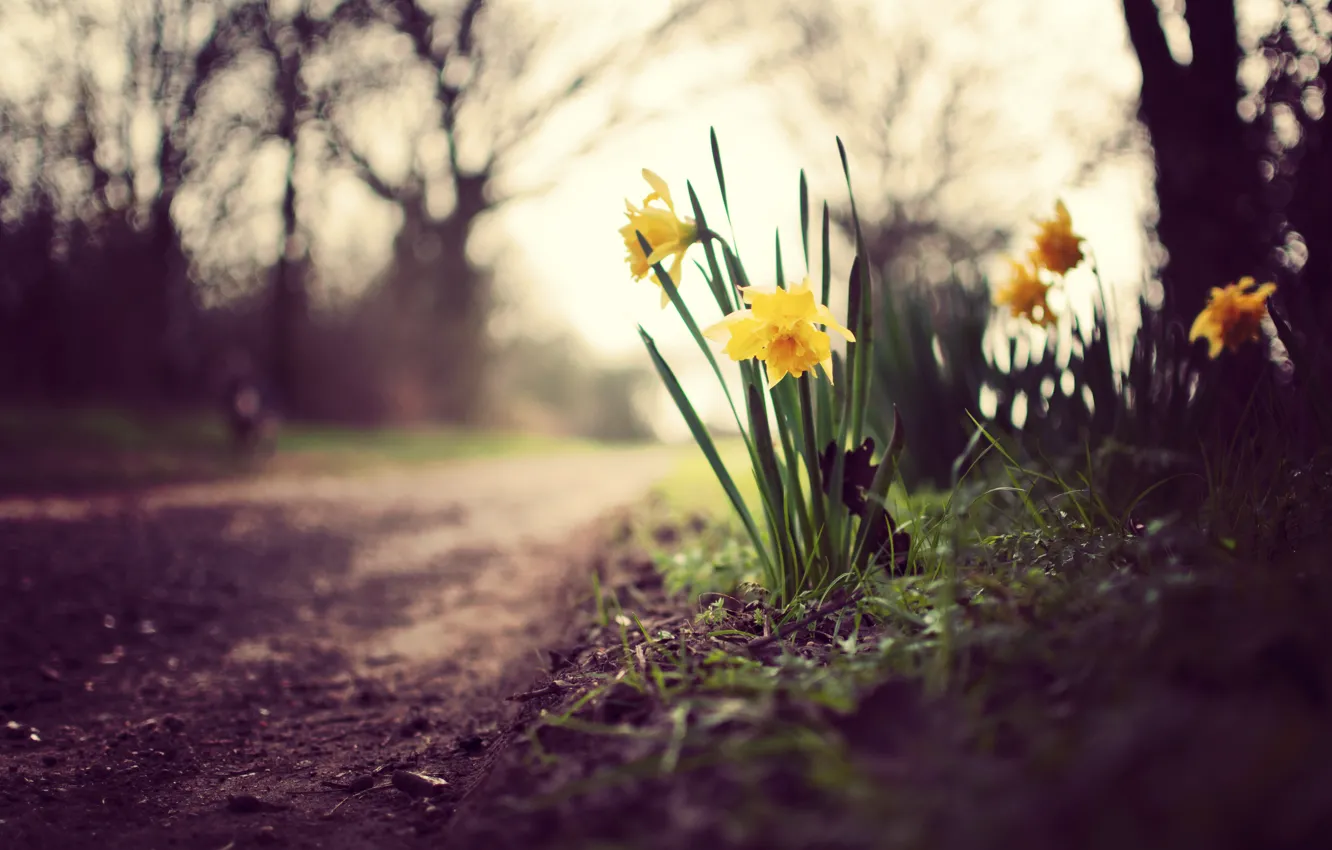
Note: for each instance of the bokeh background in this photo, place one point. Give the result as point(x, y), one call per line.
point(395, 212)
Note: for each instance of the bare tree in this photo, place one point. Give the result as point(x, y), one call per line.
point(218, 87)
point(289, 42)
point(496, 85)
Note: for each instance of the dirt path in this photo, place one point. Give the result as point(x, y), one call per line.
point(197, 666)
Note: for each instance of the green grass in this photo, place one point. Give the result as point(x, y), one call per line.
point(103, 448)
point(105, 429)
point(692, 485)
point(351, 447)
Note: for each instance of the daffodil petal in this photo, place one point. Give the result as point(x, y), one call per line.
point(659, 188)
point(661, 252)
point(825, 316)
point(826, 366)
point(1196, 330)
point(748, 292)
point(746, 344)
point(717, 329)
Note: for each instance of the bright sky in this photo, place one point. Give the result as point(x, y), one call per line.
point(567, 247)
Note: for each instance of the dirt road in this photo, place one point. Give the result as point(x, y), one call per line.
point(212, 666)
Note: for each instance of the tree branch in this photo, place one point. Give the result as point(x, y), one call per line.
point(1159, 69)
point(340, 143)
point(591, 74)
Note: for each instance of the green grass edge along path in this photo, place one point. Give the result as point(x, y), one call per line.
point(91, 449)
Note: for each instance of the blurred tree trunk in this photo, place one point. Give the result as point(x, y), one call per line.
point(288, 42)
point(171, 83)
point(443, 297)
point(289, 305)
point(484, 73)
point(1210, 192)
point(168, 295)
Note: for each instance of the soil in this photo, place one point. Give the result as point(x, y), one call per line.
point(222, 665)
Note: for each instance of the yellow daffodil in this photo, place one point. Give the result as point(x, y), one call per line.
point(1058, 248)
point(1233, 316)
point(668, 235)
point(779, 329)
point(1025, 294)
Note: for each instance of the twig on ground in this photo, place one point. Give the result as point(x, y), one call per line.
point(357, 795)
point(232, 774)
point(791, 628)
point(552, 688)
point(340, 736)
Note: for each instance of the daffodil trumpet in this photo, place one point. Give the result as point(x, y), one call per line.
point(779, 329)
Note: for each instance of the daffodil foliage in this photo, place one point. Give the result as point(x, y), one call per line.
point(821, 520)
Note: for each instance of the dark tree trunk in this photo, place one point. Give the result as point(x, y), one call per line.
point(1210, 192)
point(441, 301)
point(169, 298)
point(289, 305)
point(1208, 186)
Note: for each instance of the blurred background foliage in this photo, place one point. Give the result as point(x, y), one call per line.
point(181, 183)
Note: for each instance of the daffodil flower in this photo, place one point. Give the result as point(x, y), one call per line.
point(779, 329)
point(665, 232)
point(1025, 294)
point(1058, 248)
point(1233, 316)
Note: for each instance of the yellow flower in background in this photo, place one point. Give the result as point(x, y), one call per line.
point(1025, 295)
point(1233, 316)
point(1058, 248)
point(779, 329)
point(668, 235)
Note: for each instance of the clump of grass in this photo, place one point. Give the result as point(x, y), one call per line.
point(1030, 601)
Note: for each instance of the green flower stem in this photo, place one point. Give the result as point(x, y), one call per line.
point(784, 406)
point(816, 494)
point(726, 300)
point(770, 480)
